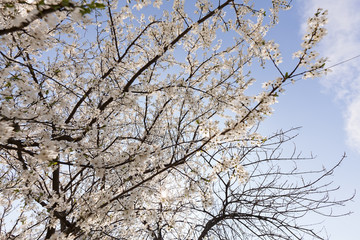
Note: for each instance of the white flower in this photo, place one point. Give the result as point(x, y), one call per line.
point(48, 152)
point(5, 131)
point(77, 15)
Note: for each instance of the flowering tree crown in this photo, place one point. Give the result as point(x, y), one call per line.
point(130, 119)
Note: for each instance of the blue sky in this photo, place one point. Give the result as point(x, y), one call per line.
point(327, 109)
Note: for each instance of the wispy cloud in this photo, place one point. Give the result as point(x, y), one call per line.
point(342, 43)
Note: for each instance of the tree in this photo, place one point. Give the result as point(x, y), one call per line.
point(130, 120)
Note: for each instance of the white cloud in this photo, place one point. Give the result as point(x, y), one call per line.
point(342, 43)
point(353, 122)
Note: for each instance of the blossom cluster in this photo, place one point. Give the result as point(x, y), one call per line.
point(119, 122)
point(314, 33)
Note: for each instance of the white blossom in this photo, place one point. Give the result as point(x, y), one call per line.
point(6, 131)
